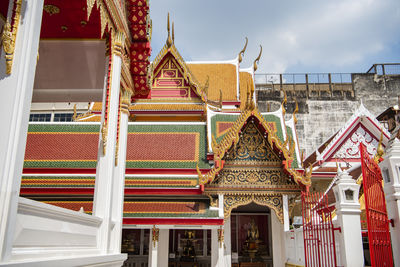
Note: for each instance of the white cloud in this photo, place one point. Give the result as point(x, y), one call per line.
point(306, 36)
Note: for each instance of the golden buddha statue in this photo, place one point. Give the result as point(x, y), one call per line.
point(252, 241)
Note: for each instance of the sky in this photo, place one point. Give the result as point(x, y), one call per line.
point(297, 36)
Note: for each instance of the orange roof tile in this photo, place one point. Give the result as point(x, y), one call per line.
point(222, 76)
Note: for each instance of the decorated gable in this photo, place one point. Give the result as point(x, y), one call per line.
point(169, 82)
point(252, 161)
point(351, 147)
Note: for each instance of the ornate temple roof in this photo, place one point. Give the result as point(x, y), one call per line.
point(65, 145)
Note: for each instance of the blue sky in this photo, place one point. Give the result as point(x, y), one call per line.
point(297, 36)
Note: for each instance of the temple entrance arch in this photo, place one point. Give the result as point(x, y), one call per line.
point(252, 165)
point(272, 201)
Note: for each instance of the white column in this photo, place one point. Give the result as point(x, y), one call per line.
point(119, 174)
point(348, 217)
point(153, 247)
point(163, 248)
point(103, 195)
point(278, 241)
point(16, 95)
point(227, 242)
point(217, 249)
point(391, 173)
point(285, 213)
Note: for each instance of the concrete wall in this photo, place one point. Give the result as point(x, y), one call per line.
point(322, 115)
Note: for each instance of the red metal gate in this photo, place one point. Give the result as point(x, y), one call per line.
point(318, 231)
point(375, 205)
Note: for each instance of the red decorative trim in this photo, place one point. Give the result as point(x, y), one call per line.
point(58, 171)
point(388, 137)
point(165, 171)
point(56, 191)
point(90, 191)
point(172, 221)
point(162, 191)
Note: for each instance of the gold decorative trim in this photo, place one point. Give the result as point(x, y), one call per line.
point(117, 44)
point(125, 101)
point(104, 133)
point(51, 9)
point(273, 201)
point(111, 16)
point(10, 35)
point(116, 153)
point(220, 237)
point(155, 235)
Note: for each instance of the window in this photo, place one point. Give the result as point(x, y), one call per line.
point(63, 117)
point(40, 117)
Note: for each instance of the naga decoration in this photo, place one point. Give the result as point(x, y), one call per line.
point(256, 61)
point(241, 53)
point(9, 35)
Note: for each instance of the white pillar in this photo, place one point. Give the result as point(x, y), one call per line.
point(153, 247)
point(285, 213)
point(348, 217)
point(278, 241)
point(15, 101)
point(391, 173)
point(217, 249)
point(119, 174)
point(103, 201)
point(227, 242)
point(163, 248)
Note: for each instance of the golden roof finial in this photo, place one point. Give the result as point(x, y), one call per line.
point(241, 53)
point(75, 115)
point(173, 33)
point(257, 59)
point(295, 111)
point(284, 102)
point(169, 41)
point(380, 150)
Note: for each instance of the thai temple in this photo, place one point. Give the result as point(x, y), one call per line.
point(109, 159)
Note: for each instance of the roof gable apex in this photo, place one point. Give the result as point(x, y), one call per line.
point(362, 124)
point(188, 76)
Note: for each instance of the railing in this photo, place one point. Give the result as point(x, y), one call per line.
point(311, 84)
point(385, 69)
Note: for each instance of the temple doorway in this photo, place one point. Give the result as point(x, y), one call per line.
point(251, 242)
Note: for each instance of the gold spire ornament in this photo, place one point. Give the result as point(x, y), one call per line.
point(256, 61)
point(169, 40)
point(173, 34)
point(241, 53)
